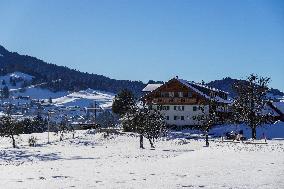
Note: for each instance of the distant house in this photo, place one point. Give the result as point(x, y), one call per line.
point(181, 101)
point(278, 109)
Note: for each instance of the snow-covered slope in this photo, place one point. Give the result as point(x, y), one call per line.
point(19, 76)
point(86, 98)
point(82, 98)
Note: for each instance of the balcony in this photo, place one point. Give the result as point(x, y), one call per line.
point(174, 100)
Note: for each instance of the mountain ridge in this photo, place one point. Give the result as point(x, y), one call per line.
point(60, 78)
point(67, 79)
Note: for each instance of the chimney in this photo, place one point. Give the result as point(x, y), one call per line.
point(176, 77)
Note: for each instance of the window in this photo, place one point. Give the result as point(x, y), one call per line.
point(171, 94)
point(166, 107)
point(194, 108)
point(164, 94)
point(182, 117)
point(179, 108)
point(180, 94)
point(177, 117)
point(167, 117)
point(176, 94)
point(189, 94)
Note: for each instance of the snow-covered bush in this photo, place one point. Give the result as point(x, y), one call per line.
point(32, 141)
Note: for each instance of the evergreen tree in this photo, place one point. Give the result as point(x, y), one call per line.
point(5, 92)
point(107, 119)
point(50, 100)
point(123, 102)
point(13, 82)
point(250, 104)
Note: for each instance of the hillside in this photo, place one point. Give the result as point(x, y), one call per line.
point(226, 84)
point(38, 91)
point(60, 78)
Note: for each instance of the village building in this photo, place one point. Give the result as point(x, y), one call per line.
point(181, 101)
point(278, 109)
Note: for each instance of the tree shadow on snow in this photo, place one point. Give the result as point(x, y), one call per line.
point(26, 156)
point(19, 156)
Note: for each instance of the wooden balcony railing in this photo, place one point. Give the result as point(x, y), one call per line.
point(174, 100)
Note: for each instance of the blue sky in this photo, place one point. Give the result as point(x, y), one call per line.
point(151, 39)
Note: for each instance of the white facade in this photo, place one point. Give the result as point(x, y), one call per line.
point(181, 115)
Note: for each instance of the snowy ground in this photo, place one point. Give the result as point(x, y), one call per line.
point(93, 161)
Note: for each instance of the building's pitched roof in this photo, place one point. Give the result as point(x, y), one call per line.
point(151, 87)
point(279, 106)
point(201, 90)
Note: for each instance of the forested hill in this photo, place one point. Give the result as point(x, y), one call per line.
point(226, 84)
point(60, 78)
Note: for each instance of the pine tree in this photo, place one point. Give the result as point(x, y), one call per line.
point(123, 102)
point(250, 104)
point(5, 92)
point(107, 119)
point(50, 100)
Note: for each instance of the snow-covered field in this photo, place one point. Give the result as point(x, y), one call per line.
point(94, 161)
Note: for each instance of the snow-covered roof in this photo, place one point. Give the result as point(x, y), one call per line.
point(151, 87)
point(207, 87)
point(279, 106)
point(191, 86)
point(268, 110)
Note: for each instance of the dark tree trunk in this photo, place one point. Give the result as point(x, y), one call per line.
point(253, 132)
point(206, 138)
point(151, 143)
point(141, 141)
point(13, 141)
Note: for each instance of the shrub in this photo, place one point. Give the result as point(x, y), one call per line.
point(32, 141)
